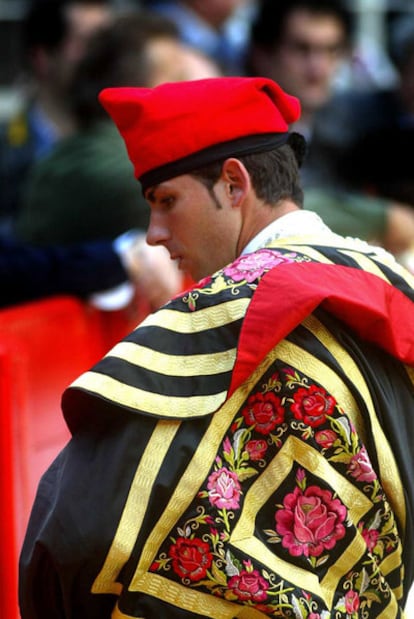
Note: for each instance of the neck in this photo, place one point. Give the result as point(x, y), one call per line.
point(261, 216)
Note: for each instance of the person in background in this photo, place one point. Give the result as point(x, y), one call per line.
point(84, 189)
point(86, 270)
point(302, 44)
point(54, 37)
point(244, 452)
point(218, 28)
point(378, 160)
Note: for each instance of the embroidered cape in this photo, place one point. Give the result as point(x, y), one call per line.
point(245, 452)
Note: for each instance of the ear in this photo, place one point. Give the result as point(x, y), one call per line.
point(236, 180)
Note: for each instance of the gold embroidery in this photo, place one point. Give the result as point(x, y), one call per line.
point(153, 403)
point(200, 320)
point(389, 473)
point(242, 537)
point(191, 600)
point(175, 365)
point(135, 507)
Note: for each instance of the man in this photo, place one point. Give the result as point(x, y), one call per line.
point(244, 452)
point(302, 45)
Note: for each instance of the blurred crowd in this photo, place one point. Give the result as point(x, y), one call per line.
point(72, 217)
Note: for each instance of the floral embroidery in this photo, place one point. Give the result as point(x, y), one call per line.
point(264, 412)
point(312, 405)
point(304, 521)
point(250, 267)
point(224, 489)
point(360, 466)
point(249, 585)
point(191, 558)
point(310, 522)
point(245, 272)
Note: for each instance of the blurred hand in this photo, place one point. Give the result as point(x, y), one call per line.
point(154, 274)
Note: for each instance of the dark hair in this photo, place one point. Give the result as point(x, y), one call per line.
point(269, 24)
point(45, 23)
point(116, 56)
point(274, 174)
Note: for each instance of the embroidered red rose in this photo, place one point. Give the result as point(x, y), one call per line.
point(224, 489)
point(264, 411)
point(249, 586)
point(256, 449)
point(360, 466)
point(351, 602)
point(312, 405)
point(191, 558)
point(326, 438)
point(310, 522)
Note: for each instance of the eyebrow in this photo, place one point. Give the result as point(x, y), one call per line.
point(150, 193)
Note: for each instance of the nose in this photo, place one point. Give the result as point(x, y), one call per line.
point(157, 232)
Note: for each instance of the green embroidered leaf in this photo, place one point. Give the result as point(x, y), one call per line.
point(243, 474)
point(218, 575)
point(342, 457)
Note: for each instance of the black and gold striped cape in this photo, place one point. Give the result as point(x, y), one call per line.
point(245, 452)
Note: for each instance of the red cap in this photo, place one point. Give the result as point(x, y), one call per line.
point(177, 127)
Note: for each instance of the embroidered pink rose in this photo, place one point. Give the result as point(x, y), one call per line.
point(256, 449)
point(351, 602)
point(264, 412)
point(371, 538)
point(326, 438)
point(191, 558)
point(224, 489)
point(251, 266)
point(249, 586)
point(360, 466)
point(310, 522)
point(312, 405)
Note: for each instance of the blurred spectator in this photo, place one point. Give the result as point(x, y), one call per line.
point(85, 189)
point(219, 28)
point(301, 44)
point(379, 160)
point(29, 273)
point(55, 33)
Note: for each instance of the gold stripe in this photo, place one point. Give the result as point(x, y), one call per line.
point(317, 370)
point(175, 365)
point(197, 470)
point(131, 520)
point(310, 252)
point(191, 600)
point(391, 611)
point(199, 320)
point(336, 386)
point(397, 268)
point(295, 451)
point(389, 472)
point(171, 407)
point(365, 263)
point(392, 561)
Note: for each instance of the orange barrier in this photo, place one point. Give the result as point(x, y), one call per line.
point(44, 346)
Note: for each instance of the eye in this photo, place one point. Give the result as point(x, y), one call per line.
point(167, 201)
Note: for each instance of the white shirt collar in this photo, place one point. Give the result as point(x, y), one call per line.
point(296, 223)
